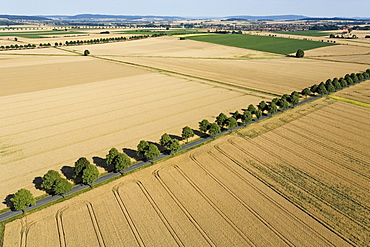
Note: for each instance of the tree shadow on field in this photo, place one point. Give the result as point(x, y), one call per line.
point(8, 202)
point(179, 138)
point(37, 182)
point(68, 172)
point(101, 163)
point(198, 133)
point(131, 153)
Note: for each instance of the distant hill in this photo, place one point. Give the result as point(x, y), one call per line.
point(269, 17)
point(122, 17)
point(24, 17)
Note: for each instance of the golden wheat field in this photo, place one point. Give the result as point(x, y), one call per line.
point(57, 109)
point(299, 178)
point(224, 193)
point(278, 76)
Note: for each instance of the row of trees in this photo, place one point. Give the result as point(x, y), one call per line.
point(80, 42)
point(87, 173)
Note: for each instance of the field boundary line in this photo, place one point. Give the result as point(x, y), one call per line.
point(183, 208)
point(250, 209)
point(126, 214)
point(173, 73)
point(277, 204)
point(215, 207)
point(60, 227)
point(24, 233)
point(94, 220)
point(280, 193)
point(160, 214)
point(351, 101)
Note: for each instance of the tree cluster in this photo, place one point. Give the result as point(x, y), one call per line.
point(54, 184)
point(120, 161)
point(86, 171)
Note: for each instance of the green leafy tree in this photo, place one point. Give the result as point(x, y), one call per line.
point(258, 113)
point(152, 152)
point(165, 139)
point(283, 103)
point(174, 146)
point(49, 179)
point(294, 100)
point(330, 87)
point(121, 162)
point(314, 88)
point(231, 122)
point(237, 115)
point(247, 117)
point(62, 186)
point(22, 199)
point(80, 165)
point(214, 129)
point(295, 94)
point(187, 133)
point(204, 125)
point(113, 152)
point(336, 84)
point(322, 89)
point(251, 108)
point(86, 52)
point(299, 53)
point(306, 92)
point(142, 148)
point(90, 174)
point(221, 119)
point(272, 108)
point(262, 106)
point(343, 82)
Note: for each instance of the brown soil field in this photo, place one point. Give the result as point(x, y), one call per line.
point(277, 76)
point(171, 47)
point(359, 92)
point(87, 106)
point(196, 199)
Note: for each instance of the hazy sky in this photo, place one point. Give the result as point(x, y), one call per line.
point(189, 8)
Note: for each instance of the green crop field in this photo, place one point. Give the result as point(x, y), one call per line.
point(313, 33)
point(37, 34)
point(261, 43)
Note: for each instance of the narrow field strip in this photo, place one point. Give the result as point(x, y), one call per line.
point(351, 101)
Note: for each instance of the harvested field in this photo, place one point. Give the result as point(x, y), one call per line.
point(320, 162)
point(52, 128)
point(171, 47)
point(278, 76)
point(337, 50)
point(359, 92)
point(195, 199)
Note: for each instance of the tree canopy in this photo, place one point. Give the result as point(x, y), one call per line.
point(121, 162)
point(214, 129)
point(142, 148)
point(80, 166)
point(187, 133)
point(221, 119)
point(204, 125)
point(113, 152)
point(49, 179)
point(152, 152)
point(165, 140)
point(22, 199)
point(90, 174)
point(231, 122)
point(299, 53)
point(62, 186)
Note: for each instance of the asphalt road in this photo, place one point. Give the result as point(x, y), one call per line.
point(46, 200)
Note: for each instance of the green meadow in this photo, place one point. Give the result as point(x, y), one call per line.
point(261, 43)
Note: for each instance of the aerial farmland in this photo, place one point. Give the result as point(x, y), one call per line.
point(298, 178)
